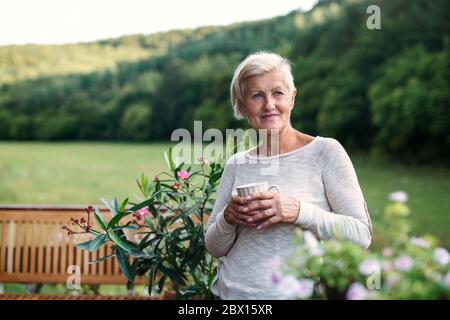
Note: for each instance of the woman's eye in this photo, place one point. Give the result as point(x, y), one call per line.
point(278, 93)
point(257, 95)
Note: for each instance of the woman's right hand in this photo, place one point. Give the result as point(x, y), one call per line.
point(236, 212)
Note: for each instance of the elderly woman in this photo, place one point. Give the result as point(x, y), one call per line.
point(319, 189)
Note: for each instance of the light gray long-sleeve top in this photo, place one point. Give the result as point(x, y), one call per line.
point(321, 176)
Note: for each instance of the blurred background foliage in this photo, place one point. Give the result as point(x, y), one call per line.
point(381, 91)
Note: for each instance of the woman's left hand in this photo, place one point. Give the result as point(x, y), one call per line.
point(274, 207)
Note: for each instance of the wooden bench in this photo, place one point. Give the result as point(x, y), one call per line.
point(19, 296)
point(35, 249)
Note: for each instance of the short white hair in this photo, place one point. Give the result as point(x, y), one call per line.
point(257, 64)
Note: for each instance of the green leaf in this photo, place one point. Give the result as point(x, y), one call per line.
point(145, 203)
point(140, 244)
point(178, 168)
point(172, 274)
point(99, 218)
point(102, 259)
point(127, 226)
point(110, 205)
point(124, 264)
point(169, 159)
point(150, 223)
point(116, 219)
point(126, 245)
point(115, 205)
point(214, 177)
point(94, 244)
point(192, 209)
point(148, 243)
point(161, 283)
point(144, 185)
point(123, 205)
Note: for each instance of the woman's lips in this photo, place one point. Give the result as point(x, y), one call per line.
point(269, 116)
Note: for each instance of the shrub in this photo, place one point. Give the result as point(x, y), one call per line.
point(410, 268)
point(161, 236)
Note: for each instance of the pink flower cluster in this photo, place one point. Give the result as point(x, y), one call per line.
point(183, 174)
point(141, 214)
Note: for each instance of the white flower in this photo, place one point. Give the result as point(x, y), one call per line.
point(292, 288)
point(289, 287)
point(446, 280)
point(369, 267)
point(404, 263)
point(441, 256)
point(310, 240)
point(357, 291)
point(306, 287)
point(312, 244)
point(420, 242)
point(398, 196)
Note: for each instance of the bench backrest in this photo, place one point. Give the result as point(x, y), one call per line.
point(35, 249)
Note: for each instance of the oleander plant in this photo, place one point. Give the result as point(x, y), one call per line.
point(160, 237)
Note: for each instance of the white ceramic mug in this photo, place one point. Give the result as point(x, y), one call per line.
point(248, 189)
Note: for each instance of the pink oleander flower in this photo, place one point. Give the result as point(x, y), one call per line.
point(183, 174)
point(357, 291)
point(404, 263)
point(420, 242)
point(398, 196)
point(369, 266)
point(141, 214)
point(441, 256)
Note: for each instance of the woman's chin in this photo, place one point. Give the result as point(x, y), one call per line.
point(270, 125)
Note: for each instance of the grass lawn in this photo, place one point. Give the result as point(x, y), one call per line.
point(74, 173)
point(428, 190)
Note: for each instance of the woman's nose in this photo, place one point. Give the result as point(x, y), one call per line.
point(269, 104)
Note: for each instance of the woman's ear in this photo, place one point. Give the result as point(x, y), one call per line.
point(294, 94)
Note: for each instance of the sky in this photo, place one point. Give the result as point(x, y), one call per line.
point(70, 21)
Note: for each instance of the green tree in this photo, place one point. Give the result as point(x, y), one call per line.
point(410, 105)
point(136, 122)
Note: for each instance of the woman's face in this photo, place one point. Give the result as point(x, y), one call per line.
point(267, 102)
